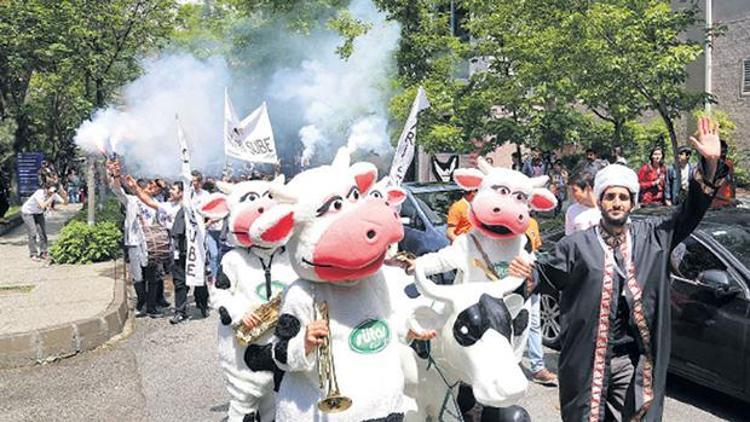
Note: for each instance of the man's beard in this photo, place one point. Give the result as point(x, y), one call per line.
point(615, 222)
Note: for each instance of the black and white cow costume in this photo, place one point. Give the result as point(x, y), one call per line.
point(257, 263)
point(476, 307)
point(338, 247)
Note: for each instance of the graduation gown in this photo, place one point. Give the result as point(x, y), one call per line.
point(577, 269)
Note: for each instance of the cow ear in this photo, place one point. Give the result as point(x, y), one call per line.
point(364, 174)
point(224, 187)
point(468, 179)
point(214, 207)
point(273, 227)
point(542, 200)
point(395, 195)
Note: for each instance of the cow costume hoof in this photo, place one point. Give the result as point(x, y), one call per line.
point(224, 316)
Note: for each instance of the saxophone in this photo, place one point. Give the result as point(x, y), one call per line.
point(268, 314)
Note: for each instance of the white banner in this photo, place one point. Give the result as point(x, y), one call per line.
point(250, 139)
point(195, 230)
point(405, 149)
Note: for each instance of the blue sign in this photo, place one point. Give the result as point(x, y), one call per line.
point(27, 172)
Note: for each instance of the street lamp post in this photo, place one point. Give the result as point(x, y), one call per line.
point(707, 52)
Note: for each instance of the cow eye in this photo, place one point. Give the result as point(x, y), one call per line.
point(250, 196)
point(376, 194)
point(336, 202)
point(502, 190)
point(268, 194)
point(521, 196)
point(353, 194)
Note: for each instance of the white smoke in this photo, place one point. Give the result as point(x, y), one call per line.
point(144, 129)
point(344, 98)
point(315, 98)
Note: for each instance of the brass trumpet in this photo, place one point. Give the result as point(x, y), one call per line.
point(334, 401)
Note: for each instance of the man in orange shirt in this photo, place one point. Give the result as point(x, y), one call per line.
point(458, 216)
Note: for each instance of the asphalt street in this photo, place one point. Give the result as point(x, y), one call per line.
point(159, 372)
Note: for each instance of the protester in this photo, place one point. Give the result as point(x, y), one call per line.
point(74, 184)
point(617, 157)
point(583, 213)
point(32, 213)
point(652, 178)
point(145, 275)
point(48, 174)
point(725, 197)
point(517, 162)
point(558, 182)
point(4, 197)
point(539, 372)
point(458, 216)
point(614, 366)
point(535, 166)
point(677, 188)
point(593, 163)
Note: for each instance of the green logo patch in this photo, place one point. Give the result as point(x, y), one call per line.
point(276, 287)
point(371, 336)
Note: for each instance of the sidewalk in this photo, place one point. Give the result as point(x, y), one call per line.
point(52, 311)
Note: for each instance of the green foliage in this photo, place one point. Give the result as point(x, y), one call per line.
point(79, 243)
point(107, 211)
point(59, 61)
point(545, 63)
point(740, 157)
point(349, 28)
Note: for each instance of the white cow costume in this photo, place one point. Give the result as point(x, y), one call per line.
point(338, 247)
point(500, 216)
point(257, 259)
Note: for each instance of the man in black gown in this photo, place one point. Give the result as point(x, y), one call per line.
point(614, 294)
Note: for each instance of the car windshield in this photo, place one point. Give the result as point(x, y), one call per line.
point(435, 204)
point(736, 239)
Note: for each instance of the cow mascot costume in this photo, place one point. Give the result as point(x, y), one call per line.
point(339, 242)
point(253, 276)
point(484, 303)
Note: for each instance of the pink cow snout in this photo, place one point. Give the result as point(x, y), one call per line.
point(354, 245)
point(500, 217)
point(245, 215)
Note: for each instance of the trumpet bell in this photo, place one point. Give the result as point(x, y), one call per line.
point(334, 404)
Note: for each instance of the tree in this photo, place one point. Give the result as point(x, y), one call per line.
point(57, 64)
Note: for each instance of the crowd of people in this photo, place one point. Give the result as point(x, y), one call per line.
point(612, 366)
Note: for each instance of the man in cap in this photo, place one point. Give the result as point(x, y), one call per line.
point(677, 186)
point(614, 294)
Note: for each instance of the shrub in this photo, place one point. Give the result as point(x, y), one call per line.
point(79, 243)
point(110, 211)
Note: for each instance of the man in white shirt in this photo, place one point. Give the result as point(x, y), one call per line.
point(583, 213)
point(32, 213)
point(145, 276)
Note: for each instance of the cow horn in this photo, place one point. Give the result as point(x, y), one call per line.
point(282, 193)
point(484, 166)
point(342, 159)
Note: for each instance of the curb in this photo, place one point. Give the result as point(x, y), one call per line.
point(12, 223)
point(69, 339)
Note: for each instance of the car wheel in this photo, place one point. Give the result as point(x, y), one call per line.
point(549, 314)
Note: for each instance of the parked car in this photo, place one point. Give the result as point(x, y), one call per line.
point(710, 302)
point(424, 213)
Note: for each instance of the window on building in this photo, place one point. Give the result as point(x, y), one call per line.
point(746, 77)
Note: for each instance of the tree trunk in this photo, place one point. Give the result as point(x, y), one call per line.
point(669, 123)
point(90, 188)
point(619, 123)
point(99, 93)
